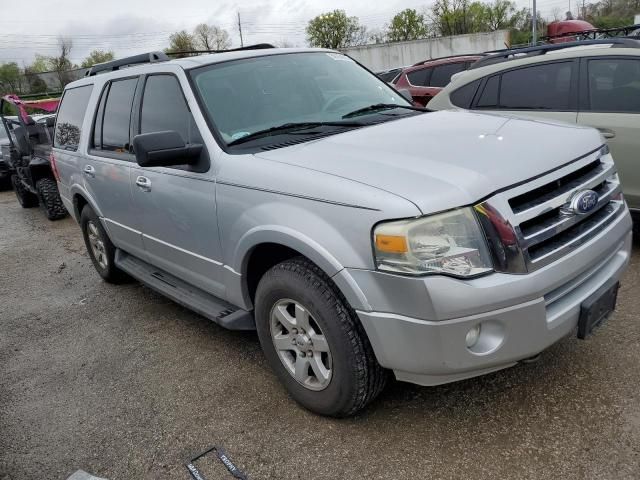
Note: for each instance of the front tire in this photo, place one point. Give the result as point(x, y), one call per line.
point(26, 199)
point(314, 341)
point(50, 199)
point(101, 251)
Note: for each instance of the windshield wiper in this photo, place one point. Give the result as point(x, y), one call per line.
point(381, 106)
point(291, 127)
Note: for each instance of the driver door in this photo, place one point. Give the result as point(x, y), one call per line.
point(177, 204)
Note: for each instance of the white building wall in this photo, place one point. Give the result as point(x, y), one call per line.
point(399, 54)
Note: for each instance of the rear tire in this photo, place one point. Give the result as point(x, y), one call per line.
point(101, 251)
point(50, 199)
point(26, 199)
point(302, 317)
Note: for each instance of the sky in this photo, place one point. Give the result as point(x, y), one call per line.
point(134, 26)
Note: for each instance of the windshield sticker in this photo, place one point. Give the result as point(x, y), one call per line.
point(239, 135)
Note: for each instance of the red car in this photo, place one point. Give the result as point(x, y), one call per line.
point(425, 79)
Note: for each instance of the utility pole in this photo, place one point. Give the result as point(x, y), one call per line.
point(534, 24)
point(240, 29)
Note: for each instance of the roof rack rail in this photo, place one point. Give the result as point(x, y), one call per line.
point(258, 46)
point(151, 57)
point(448, 56)
point(513, 54)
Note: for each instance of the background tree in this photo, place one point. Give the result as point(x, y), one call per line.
point(211, 37)
point(407, 25)
point(10, 78)
point(181, 41)
point(97, 56)
point(62, 63)
point(335, 30)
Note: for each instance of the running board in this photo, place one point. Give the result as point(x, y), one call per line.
point(207, 305)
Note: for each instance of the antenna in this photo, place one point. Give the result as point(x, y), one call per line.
point(240, 29)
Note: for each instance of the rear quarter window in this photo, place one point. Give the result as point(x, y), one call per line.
point(463, 96)
point(70, 117)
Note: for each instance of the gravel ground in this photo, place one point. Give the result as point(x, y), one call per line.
point(124, 384)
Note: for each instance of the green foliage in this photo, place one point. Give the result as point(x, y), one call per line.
point(181, 41)
point(10, 78)
point(407, 25)
point(335, 30)
point(457, 17)
point(40, 64)
point(97, 56)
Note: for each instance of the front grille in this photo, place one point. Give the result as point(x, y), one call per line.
point(539, 214)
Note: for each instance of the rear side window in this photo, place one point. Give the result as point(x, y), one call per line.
point(70, 117)
point(489, 96)
point(116, 116)
point(614, 85)
point(541, 87)
point(463, 96)
point(442, 74)
point(419, 78)
point(165, 108)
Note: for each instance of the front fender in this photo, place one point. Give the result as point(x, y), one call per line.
point(287, 237)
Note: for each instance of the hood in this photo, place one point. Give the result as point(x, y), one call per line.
point(444, 159)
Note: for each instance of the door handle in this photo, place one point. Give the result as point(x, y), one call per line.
point(607, 133)
point(89, 171)
point(144, 183)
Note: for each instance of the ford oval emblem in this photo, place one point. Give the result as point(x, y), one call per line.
point(584, 201)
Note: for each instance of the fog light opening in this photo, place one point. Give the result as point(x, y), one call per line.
point(485, 337)
point(473, 335)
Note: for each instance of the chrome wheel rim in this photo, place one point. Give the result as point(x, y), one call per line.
point(301, 345)
point(97, 245)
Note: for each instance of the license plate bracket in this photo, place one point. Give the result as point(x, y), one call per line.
point(597, 308)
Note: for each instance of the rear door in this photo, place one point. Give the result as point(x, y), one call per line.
point(107, 167)
point(177, 204)
point(66, 140)
point(540, 91)
point(610, 102)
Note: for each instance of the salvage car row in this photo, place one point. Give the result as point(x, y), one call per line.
point(283, 190)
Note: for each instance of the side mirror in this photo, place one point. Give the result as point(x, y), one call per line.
point(164, 149)
point(406, 94)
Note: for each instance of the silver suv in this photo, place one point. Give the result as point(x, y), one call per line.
point(292, 191)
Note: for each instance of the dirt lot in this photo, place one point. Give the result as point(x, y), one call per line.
point(124, 384)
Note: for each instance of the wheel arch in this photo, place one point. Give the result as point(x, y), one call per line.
point(80, 197)
point(261, 249)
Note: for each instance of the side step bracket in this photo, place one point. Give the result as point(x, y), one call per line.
point(207, 305)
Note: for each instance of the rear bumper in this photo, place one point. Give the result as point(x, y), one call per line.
point(422, 336)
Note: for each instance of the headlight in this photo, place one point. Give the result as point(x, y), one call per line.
point(448, 243)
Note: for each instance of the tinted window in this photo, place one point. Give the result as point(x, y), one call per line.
point(489, 96)
point(442, 74)
point(389, 76)
point(614, 85)
point(70, 117)
point(117, 115)
point(463, 96)
point(164, 108)
point(540, 87)
point(419, 78)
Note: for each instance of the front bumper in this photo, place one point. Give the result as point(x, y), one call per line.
point(417, 326)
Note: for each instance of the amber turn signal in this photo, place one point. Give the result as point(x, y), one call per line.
point(391, 244)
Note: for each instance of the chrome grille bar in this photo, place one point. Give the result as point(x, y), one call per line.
point(533, 224)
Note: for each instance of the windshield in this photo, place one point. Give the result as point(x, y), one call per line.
point(251, 95)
